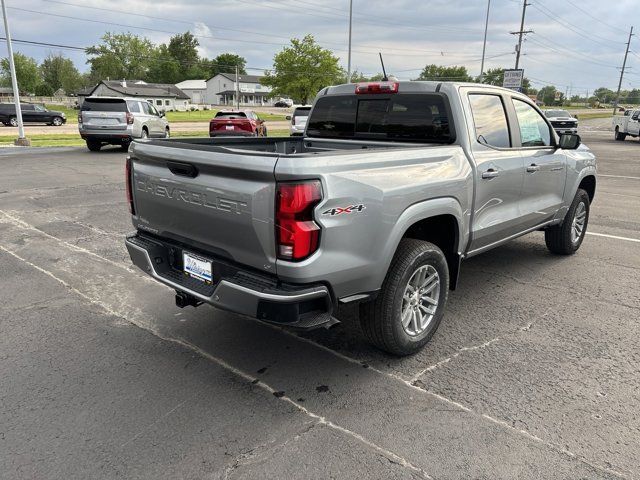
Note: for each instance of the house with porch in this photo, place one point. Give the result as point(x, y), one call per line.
point(221, 90)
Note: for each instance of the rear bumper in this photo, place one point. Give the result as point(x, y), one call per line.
point(231, 133)
point(114, 137)
point(233, 288)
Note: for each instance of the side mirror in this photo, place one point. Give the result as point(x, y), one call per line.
point(570, 141)
point(161, 114)
point(288, 117)
point(575, 115)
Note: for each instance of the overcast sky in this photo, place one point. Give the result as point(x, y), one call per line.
point(577, 43)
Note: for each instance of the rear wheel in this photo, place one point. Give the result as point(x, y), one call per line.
point(566, 238)
point(94, 145)
point(411, 303)
point(56, 122)
point(619, 136)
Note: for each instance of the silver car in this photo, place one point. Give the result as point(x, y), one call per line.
point(299, 120)
point(119, 121)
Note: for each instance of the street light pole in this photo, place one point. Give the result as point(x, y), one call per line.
point(484, 45)
point(14, 81)
point(349, 54)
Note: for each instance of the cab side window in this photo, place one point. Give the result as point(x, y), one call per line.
point(534, 130)
point(490, 120)
point(146, 108)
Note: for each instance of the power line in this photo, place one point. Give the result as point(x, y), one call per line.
point(599, 20)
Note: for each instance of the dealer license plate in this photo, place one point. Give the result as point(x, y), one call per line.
point(197, 267)
point(229, 127)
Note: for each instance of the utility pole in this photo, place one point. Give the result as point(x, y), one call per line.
point(624, 66)
point(484, 45)
point(349, 54)
point(237, 89)
point(521, 33)
point(21, 140)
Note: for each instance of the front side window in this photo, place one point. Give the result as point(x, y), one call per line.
point(39, 108)
point(490, 120)
point(534, 131)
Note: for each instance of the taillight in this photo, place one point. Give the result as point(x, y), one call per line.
point(129, 118)
point(79, 119)
point(377, 87)
point(129, 185)
point(296, 233)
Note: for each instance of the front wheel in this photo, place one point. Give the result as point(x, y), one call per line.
point(56, 122)
point(566, 238)
point(411, 303)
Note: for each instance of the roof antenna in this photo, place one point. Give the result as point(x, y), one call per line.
point(384, 72)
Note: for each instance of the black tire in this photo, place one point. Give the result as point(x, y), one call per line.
point(13, 121)
point(56, 122)
point(167, 133)
point(559, 238)
point(619, 136)
point(125, 146)
point(381, 319)
point(264, 132)
point(93, 145)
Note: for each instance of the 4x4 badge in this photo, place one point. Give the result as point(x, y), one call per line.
point(341, 210)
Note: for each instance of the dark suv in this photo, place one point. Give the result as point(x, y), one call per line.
point(31, 113)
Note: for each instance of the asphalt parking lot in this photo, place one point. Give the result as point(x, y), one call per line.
point(533, 373)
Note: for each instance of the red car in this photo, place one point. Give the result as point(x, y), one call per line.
point(233, 123)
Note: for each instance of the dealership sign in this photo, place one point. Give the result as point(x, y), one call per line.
point(513, 79)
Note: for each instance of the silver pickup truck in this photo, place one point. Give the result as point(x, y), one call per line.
point(391, 187)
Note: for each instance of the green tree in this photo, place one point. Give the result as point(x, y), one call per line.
point(27, 73)
point(184, 48)
point(436, 72)
point(361, 77)
point(120, 55)
point(225, 63)
point(302, 69)
point(548, 95)
point(164, 68)
point(60, 72)
point(604, 95)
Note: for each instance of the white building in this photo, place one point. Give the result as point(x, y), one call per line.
point(163, 96)
point(195, 89)
point(221, 90)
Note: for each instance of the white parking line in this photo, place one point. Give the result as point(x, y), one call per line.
point(619, 176)
point(627, 239)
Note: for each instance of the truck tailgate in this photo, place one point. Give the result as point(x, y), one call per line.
point(216, 202)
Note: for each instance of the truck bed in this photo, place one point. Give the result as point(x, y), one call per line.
point(275, 146)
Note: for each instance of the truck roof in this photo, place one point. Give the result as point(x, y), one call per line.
point(418, 86)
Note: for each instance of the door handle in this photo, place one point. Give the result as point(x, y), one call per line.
point(489, 174)
point(533, 168)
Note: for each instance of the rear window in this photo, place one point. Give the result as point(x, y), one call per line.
point(402, 117)
point(104, 105)
point(301, 112)
point(231, 115)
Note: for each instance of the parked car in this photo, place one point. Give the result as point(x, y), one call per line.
point(227, 123)
point(284, 102)
point(299, 120)
point(119, 121)
point(393, 185)
point(31, 113)
point(562, 121)
point(627, 124)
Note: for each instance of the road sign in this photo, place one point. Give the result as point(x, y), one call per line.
point(513, 79)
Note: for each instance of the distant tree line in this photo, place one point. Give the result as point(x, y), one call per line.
point(299, 71)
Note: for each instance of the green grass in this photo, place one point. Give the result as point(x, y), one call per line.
point(74, 140)
point(206, 115)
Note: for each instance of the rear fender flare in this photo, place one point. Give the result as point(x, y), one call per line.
point(422, 211)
